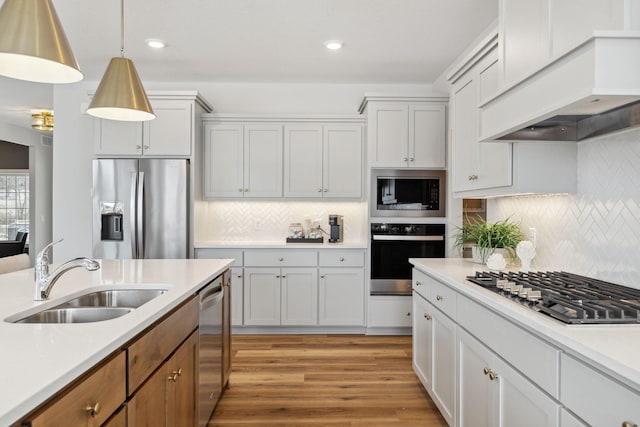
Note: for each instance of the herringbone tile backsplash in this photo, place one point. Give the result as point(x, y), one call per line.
point(257, 221)
point(595, 232)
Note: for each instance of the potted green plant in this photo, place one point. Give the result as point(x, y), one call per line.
point(487, 237)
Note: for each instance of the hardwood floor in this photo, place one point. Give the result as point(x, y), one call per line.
point(324, 380)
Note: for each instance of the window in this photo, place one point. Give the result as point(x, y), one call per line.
point(14, 204)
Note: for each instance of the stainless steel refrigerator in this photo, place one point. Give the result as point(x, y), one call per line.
point(140, 208)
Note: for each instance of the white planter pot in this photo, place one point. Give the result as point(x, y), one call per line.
point(480, 255)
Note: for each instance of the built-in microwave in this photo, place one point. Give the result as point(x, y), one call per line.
point(408, 193)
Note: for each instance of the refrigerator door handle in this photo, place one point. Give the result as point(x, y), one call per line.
point(132, 216)
point(140, 214)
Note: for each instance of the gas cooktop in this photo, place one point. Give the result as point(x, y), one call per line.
point(567, 297)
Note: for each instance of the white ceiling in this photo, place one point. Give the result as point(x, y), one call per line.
point(386, 41)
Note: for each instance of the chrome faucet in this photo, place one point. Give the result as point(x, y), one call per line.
point(45, 281)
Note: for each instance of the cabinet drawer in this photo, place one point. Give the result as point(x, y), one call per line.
point(70, 408)
point(235, 254)
point(390, 311)
point(595, 397)
point(280, 258)
point(533, 357)
point(421, 284)
point(331, 258)
point(444, 298)
point(148, 352)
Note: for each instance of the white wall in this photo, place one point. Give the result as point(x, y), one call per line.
point(595, 232)
point(73, 140)
point(40, 189)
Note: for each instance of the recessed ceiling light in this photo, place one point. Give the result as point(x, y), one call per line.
point(333, 44)
point(155, 43)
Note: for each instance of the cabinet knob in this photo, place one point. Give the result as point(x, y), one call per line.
point(239, 276)
point(246, 190)
point(472, 177)
point(427, 316)
point(325, 190)
point(408, 313)
point(439, 297)
point(146, 147)
point(138, 147)
point(280, 259)
point(405, 159)
point(93, 410)
point(319, 190)
point(418, 283)
point(174, 375)
point(492, 375)
point(411, 159)
point(341, 259)
point(486, 371)
point(240, 190)
point(322, 276)
point(277, 276)
point(284, 276)
point(629, 424)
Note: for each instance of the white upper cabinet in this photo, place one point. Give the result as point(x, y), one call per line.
point(405, 132)
point(242, 160)
point(297, 157)
point(498, 168)
point(322, 161)
point(171, 133)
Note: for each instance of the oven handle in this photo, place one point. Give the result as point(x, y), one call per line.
point(395, 237)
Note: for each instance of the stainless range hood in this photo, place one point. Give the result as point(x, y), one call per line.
point(590, 91)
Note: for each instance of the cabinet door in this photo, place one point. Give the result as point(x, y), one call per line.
point(388, 134)
point(443, 377)
point(263, 161)
point(303, 161)
point(170, 133)
point(464, 132)
point(223, 161)
point(476, 393)
point(148, 406)
point(117, 138)
point(520, 402)
point(426, 136)
point(262, 296)
point(182, 391)
point(299, 296)
point(237, 280)
point(422, 340)
point(342, 161)
point(341, 297)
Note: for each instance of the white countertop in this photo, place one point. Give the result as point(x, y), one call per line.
point(40, 359)
point(615, 349)
point(278, 244)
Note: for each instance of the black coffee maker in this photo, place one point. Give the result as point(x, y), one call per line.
point(336, 228)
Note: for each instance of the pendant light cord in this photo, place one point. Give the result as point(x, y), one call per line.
point(122, 28)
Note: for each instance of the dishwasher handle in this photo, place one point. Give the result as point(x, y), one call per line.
point(211, 296)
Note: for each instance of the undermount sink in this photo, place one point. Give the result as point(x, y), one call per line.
point(132, 298)
point(75, 315)
point(95, 306)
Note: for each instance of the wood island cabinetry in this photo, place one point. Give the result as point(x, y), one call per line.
point(153, 381)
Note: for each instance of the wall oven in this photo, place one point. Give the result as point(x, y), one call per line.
point(391, 247)
point(408, 193)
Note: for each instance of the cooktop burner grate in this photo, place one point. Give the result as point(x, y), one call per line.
point(568, 297)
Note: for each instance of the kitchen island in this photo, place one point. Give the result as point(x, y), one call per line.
point(41, 359)
point(546, 372)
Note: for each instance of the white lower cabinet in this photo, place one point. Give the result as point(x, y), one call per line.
point(280, 296)
point(237, 291)
point(341, 297)
point(434, 352)
point(306, 288)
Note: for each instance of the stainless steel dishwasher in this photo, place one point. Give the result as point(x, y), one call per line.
point(210, 350)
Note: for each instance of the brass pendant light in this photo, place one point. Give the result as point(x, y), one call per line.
point(33, 45)
point(120, 95)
